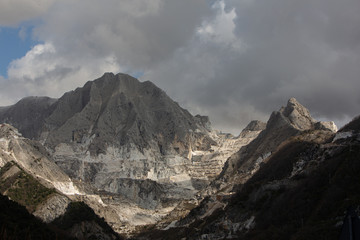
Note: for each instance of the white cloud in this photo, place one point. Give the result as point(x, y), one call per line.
point(221, 29)
point(43, 72)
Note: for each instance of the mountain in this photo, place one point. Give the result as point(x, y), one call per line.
point(154, 171)
point(302, 190)
point(114, 126)
point(131, 143)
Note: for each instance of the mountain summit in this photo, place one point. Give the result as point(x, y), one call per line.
point(297, 114)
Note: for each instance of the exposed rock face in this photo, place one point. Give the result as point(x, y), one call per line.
point(53, 208)
point(287, 122)
point(297, 115)
point(326, 126)
point(122, 111)
point(32, 158)
point(209, 164)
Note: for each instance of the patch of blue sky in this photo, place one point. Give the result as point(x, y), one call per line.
point(14, 44)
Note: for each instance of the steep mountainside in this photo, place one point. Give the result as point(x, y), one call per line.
point(28, 177)
point(302, 191)
point(290, 121)
point(30, 156)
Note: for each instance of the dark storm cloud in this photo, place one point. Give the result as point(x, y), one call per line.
point(15, 11)
point(139, 33)
point(306, 49)
point(310, 49)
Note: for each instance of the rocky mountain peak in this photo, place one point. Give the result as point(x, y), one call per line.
point(289, 121)
point(298, 116)
point(120, 110)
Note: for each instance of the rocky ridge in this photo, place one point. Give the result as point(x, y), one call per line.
point(289, 121)
point(302, 190)
point(29, 177)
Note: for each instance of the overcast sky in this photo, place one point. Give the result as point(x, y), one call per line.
point(233, 60)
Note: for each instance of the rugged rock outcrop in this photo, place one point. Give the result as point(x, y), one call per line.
point(289, 121)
